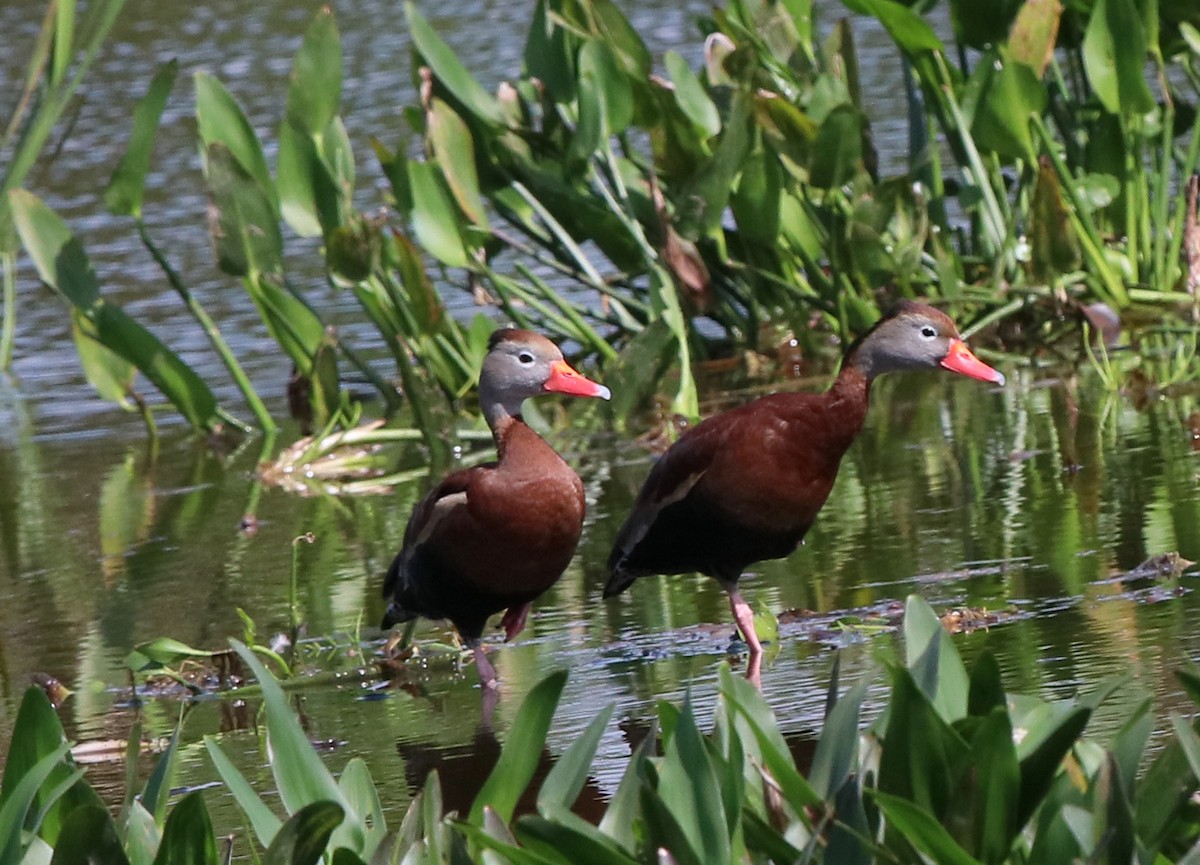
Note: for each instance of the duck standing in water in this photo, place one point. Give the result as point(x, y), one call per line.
point(493, 537)
point(745, 485)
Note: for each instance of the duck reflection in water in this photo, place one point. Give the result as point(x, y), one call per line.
point(745, 485)
point(494, 537)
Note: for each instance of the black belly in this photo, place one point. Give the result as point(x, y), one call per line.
point(685, 538)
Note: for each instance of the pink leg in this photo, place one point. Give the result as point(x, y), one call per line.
point(514, 621)
point(754, 670)
point(744, 618)
point(487, 673)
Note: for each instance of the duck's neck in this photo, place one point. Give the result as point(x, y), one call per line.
point(847, 400)
point(503, 425)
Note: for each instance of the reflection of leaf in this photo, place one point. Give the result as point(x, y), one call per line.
point(126, 513)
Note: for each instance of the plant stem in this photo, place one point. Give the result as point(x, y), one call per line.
point(8, 327)
point(257, 407)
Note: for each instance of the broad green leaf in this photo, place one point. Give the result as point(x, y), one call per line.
point(158, 785)
point(23, 797)
point(455, 152)
point(662, 831)
point(837, 152)
point(1114, 57)
point(188, 835)
point(221, 122)
point(562, 836)
point(63, 265)
point(838, 746)
point(618, 819)
point(363, 797)
point(449, 70)
point(908, 30)
point(262, 818)
point(619, 34)
point(161, 652)
point(176, 380)
point(299, 774)
point(142, 835)
point(993, 802)
point(702, 201)
point(303, 838)
point(987, 688)
point(933, 660)
point(315, 83)
point(59, 257)
point(614, 97)
point(922, 830)
point(550, 52)
point(36, 734)
point(89, 837)
point(691, 792)
point(570, 772)
point(106, 371)
point(223, 126)
point(1009, 94)
point(123, 197)
point(756, 201)
point(691, 95)
point(1048, 736)
point(1130, 744)
point(434, 217)
point(297, 329)
point(298, 165)
point(923, 757)
point(245, 231)
point(521, 752)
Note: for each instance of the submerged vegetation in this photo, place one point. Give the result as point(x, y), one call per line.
point(653, 221)
point(953, 771)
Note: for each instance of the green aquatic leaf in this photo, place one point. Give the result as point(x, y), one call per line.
point(1009, 94)
point(691, 792)
point(315, 83)
point(162, 652)
point(455, 152)
point(922, 830)
point(106, 371)
point(837, 747)
point(570, 771)
point(58, 255)
point(908, 30)
point(262, 818)
point(449, 70)
point(64, 266)
point(89, 837)
point(36, 734)
point(934, 662)
point(1114, 57)
point(756, 201)
point(31, 793)
point(245, 232)
point(521, 752)
point(123, 197)
point(434, 216)
point(224, 126)
point(303, 838)
point(299, 773)
point(691, 96)
point(188, 837)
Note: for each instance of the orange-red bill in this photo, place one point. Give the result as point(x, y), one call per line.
point(564, 379)
point(959, 359)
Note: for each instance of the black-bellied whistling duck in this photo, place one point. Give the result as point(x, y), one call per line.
point(493, 537)
point(746, 484)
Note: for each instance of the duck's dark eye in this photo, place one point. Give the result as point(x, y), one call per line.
point(928, 331)
point(525, 357)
